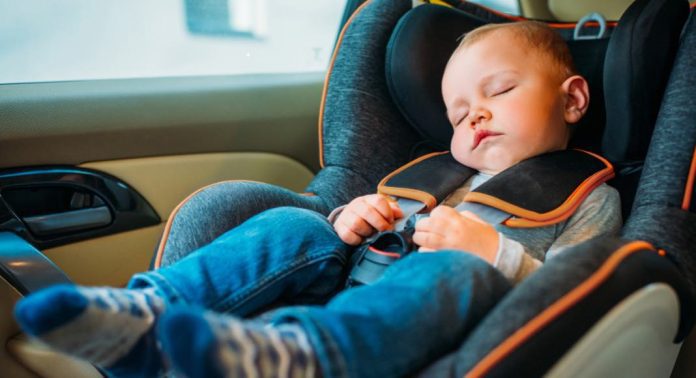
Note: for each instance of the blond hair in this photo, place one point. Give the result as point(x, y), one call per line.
point(537, 36)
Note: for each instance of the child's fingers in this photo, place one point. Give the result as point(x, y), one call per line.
point(398, 213)
point(355, 223)
point(372, 215)
point(381, 204)
point(347, 235)
point(432, 225)
point(427, 240)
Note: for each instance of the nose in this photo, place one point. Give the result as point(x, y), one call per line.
point(478, 115)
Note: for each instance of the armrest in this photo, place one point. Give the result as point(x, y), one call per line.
point(24, 267)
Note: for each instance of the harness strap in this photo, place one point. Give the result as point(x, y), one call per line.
point(539, 191)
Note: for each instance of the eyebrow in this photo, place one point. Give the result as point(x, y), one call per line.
point(488, 78)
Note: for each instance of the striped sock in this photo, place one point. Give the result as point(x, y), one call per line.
point(111, 328)
point(204, 344)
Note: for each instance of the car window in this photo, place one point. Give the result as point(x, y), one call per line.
point(57, 40)
point(506, 6)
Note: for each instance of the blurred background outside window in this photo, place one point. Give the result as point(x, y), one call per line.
point(58, 40)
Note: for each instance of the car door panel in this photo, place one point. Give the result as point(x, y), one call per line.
point(78, 122)
point(163, 137)
point(180, 175)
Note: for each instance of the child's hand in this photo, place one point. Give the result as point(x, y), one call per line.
point(365, 215)
point(448, 229)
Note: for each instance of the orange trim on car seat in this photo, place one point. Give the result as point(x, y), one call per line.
point(168, 226)
point(556, 309)
point(428, 199)
point(571, 25)
point(689, 189)
point(527, 218)
point(326, 81)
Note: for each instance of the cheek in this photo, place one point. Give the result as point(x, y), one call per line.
point(459, 146)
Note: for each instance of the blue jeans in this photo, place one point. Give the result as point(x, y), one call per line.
point(421, 309)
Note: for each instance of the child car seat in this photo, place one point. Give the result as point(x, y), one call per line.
point(586, 311)
point(365, 132)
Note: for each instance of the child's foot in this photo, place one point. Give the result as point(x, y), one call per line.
point(111, 328)
point(204, 344)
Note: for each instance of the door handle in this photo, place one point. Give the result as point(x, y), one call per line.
point(69, 221)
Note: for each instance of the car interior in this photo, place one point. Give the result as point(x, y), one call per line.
point(100, 179)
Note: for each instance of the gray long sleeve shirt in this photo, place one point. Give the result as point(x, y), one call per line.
point(522, 250)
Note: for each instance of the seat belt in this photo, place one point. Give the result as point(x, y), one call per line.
point(411, 209)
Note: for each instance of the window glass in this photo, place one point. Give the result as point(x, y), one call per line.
point(506, 6)
point(55, 40)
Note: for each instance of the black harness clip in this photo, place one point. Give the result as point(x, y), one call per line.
point(375, 256)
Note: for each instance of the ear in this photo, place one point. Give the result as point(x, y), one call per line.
point(577, 96)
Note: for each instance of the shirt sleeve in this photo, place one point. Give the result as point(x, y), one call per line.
point(599, 214)
point(335, 213)
point(513, 261)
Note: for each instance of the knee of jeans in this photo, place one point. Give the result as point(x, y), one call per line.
point(455, 268)
point(299, 214)
point(300, 219)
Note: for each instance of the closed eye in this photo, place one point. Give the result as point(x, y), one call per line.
point(506, 90)
point(461, 119)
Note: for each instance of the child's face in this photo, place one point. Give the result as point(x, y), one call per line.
point(505, 103)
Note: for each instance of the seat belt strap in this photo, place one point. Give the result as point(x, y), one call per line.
point(486, 213)
point(537, 192)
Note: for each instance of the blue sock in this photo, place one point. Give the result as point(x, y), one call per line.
point(203, 344)
point(111, 328)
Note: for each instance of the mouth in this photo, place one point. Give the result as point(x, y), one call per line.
point(480, 135)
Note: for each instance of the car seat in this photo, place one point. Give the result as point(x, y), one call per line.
point(609, 306)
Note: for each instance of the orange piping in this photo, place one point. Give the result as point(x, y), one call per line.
point(534, 219)
point(571, 25)
point(413, 194)
point(556, 309)
point(418, 195)
point(686, 202)
point(168, 226)
point(326, 81)
point(574, 204)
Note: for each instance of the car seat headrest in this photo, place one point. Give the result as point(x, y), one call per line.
point(635, 71)
point(639, 60)
point(418, 51)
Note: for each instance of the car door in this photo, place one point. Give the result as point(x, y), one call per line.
point(111, 113)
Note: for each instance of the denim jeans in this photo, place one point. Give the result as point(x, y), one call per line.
point(421, 309)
